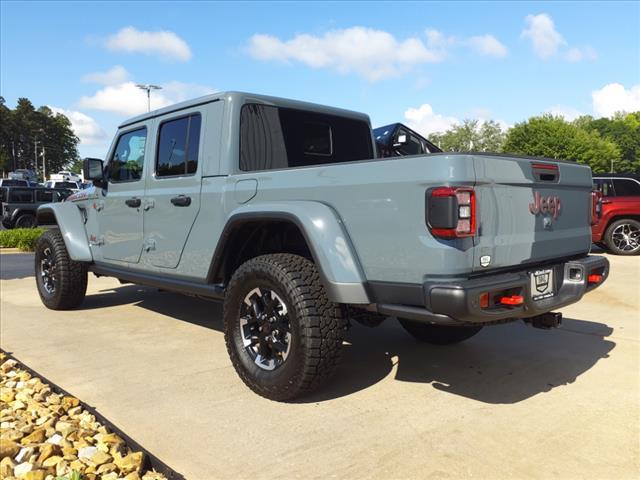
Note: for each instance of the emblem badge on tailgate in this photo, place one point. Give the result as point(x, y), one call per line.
point(545, 205)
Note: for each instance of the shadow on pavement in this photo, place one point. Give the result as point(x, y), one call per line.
point(502, 364)
point(16, 265)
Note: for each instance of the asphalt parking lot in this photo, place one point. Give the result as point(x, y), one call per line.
point(512, 402)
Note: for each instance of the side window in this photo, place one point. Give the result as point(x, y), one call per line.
point(604, 186)
point(178, 143)
point(44, 196)
point(128, 159)
point(21, 196)
point(317, 139)
point(626, 188)
point(273, 137)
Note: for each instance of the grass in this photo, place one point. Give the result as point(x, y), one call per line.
point(21, 238)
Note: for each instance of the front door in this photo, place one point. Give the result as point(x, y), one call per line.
point(121, 207)
point(173, 189)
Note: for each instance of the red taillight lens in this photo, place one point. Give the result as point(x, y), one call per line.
point(512, 300)
point(594, 278)
point(452, 212)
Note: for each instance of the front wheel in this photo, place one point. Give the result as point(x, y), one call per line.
point(62, 282)
point(283, 334)
point(438, 334)
point(623, 237)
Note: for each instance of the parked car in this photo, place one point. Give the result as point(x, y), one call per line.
point(66, 176)
point(618, 224)
point(24, 174)
point(281, 210)
point(19, 204)
point(398, 140)
point(75, 186)
point(13, 182)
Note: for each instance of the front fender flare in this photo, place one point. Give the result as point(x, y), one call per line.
point(326, 237)
point(69, 219)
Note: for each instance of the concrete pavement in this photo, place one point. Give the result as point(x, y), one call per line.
point(512, 402)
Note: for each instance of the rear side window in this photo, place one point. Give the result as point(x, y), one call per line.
point(19, 195)
point(44, 196)
point(272, 137)
point(14, 183)
point(178, 143)
point(127, 162)
point(626, 187)
point(604, 186)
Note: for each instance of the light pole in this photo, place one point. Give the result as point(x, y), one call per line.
point(148, 87)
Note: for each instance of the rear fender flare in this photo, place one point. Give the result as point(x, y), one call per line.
point(326, 238)
point(68, 217)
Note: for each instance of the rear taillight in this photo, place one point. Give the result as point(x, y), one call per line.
point(451, 212)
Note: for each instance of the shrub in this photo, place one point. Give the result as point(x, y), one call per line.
point(22, 238)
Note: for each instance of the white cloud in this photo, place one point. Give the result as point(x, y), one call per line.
point(547, 42)
point(85, 127)
point(613, 98)
point(569, 113)
point(373, 54)
point(425, 121)
point(115, 75)
point(128, 100)
point(543, 35)
point(487, 45)
point(576, 54)
point(165, 44)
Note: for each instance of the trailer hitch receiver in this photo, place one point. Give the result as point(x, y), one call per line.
point(546, 321)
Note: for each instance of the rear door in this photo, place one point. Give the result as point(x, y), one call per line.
point(172, 198)
point(530, 211)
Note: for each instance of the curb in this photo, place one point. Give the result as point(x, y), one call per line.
point(8, 251)
point(151, 462)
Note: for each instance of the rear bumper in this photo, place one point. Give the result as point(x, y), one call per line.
point(458, 302)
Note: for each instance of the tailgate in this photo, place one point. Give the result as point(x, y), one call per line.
point(530, 210)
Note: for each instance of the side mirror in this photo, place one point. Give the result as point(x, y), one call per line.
point(93, 169)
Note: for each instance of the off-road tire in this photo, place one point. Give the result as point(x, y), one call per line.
point(70, 276)
point(438, 334)
point(316, 325)
point(26, 220)
point(610, 242)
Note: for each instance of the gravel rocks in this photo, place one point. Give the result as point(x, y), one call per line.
point(44, 435)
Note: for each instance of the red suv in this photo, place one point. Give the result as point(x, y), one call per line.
point(618, 225)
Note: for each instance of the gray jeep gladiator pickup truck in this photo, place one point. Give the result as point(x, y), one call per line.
point(280, 209)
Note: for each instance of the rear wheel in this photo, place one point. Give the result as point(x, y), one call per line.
point(623, 237)
point(283, 334)
point(26, 220)
point(438, 334)
point(62, 282)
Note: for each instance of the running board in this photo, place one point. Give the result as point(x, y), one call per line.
point(207, 290)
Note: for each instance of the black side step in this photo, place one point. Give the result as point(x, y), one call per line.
point(207, 290)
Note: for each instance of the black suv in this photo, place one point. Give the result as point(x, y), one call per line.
point(19, 204)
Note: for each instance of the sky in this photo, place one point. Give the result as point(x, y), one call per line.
point(427, 64)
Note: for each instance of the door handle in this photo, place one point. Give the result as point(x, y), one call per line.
point(181, 201)
point(133, 202)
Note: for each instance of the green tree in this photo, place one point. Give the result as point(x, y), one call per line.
point(29, 136)
point(553, 137)
point(624, 130)
point(76, 166)
point(471, 136)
